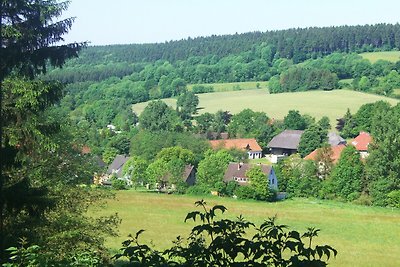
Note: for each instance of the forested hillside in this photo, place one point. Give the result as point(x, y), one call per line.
point(294, 44)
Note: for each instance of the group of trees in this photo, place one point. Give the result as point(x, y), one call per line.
point(41, 164)
point(374, 180)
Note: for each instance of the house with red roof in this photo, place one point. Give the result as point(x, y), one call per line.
point(249, 145)
point(336, 151)
point(361, 143)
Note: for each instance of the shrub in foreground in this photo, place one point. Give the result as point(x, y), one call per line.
point(224, 242)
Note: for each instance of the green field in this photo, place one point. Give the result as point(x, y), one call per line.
point(363, 236)
point(236, 86)
point(392, 56)
point(315, 103)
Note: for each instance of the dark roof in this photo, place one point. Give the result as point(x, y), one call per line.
point(185, 175)
point(239, 170)
point(334, 139)
point(186, 172)
point(288, 139)
point(117, 164)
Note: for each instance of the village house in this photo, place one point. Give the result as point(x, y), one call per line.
point(336, 151)
point(284, 144)
point(361, 143)
point(334, 139)
point(237, 172)
point(115, 170)
point(250, 145)
point(188, 176)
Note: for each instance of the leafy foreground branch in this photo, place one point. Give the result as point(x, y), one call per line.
point(224, 243)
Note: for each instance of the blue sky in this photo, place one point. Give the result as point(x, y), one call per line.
point(104, 22)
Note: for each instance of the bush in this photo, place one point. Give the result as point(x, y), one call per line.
point(227, 243)
point(363, 199)
point(198, 189)
point(118, 184)
point(245, 192)
point(393, 199)
point(201, 89)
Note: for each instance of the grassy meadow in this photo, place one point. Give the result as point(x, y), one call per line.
point(315, 103)
point(363, 236)
point(392, 56)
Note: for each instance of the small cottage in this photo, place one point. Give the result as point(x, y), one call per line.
point(361, 143)
point(237, 172)
point(188, 176)
point(250, 145)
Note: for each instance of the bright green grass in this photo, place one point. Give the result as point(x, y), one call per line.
point(396, 91)
point(236, 86)
point(363, 236)
point(392, 56)
point(315, 103)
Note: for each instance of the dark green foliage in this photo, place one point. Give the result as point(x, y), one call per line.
point(349, 128)
point(201, 89)
point(204, 122)
point(365, 115)
point(186, 105)
point(28, 40)
point(225, 242)
point(383, 163)
point(198, 189)
point(228, 189)
point(157, 116)
point(347, 176)
point(297, 177)
point(393, 199)
point(212, 168)
point(324, 123)
point(135, 169)
point(118, 184)
point(294, 121)
point(41, 160)
point(299, 44)
point(312, 138)
point(300, 78)
point(259, 182)
point(121, 143)
point(147, 144)
point(245, 192)
point(247, 123)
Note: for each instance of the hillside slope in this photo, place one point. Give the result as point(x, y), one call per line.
point(315, 103)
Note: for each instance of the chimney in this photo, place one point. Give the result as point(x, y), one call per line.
point(238, 166)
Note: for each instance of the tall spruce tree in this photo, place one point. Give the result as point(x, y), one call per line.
point(38, 164)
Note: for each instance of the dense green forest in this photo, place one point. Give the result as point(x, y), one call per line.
point(105, 81)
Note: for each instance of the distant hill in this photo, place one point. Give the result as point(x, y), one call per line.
point(297, 44)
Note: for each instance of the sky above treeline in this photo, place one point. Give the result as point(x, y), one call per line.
point(103, 22)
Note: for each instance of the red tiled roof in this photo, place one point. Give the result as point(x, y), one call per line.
point(362, 141)
point(244, 144)
point(336, 151)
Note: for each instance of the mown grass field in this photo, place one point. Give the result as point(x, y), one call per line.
point(363, 236)
point(315, 103)
point(236, 86)
point(392, 56)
